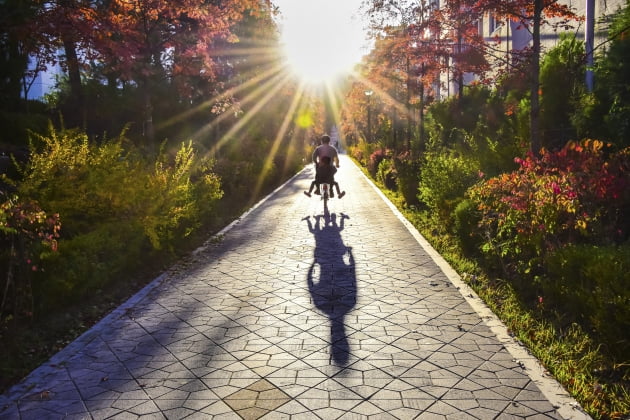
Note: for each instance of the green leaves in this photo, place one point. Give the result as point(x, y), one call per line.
point(118, 207)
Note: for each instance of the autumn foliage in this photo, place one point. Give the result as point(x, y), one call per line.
point(576, 195)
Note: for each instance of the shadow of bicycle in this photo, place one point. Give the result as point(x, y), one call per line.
point(331, 279)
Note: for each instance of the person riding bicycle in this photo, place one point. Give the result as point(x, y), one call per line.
point(323, 158)
point(325, 174)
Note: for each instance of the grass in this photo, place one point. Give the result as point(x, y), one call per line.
point(601, 386)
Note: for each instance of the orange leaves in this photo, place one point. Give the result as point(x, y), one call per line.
point(129, 35)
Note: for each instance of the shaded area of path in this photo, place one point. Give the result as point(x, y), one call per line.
point(331, 280)
point(297, 312)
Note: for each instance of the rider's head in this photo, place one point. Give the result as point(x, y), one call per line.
point(325, 139)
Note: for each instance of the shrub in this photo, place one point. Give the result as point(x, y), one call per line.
point(483, 126)
point(605, 112)
point(246, 169)
point(118, 208)
point(408, 177)
point(574, 195)
point(375, 160)
point(444, 178)
point(16, 126)
point(465, 221)
point(357, 154)
point(88, 263)
point(26, 232)
point(561, 78)
point(386, 174)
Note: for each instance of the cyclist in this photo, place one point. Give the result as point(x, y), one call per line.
point(325, 150)
point(325, 174)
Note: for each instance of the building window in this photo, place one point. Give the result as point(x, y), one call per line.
point(492, 23)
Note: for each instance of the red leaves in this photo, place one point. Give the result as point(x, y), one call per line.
point(579, 193)
point(136, 38)
point(26, 221)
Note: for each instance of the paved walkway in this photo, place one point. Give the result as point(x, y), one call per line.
point(299, 313)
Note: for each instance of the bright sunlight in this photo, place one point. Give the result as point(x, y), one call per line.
point(322, 39)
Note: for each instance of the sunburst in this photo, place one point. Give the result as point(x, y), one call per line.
point(312, 60)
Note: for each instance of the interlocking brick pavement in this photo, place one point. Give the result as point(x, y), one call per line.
point(299, 312)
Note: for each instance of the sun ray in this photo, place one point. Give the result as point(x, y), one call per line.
point(250, 81)
point(381, 93)
point(268, 79)
point(276, 83)
point(271, 75)
point(279, 137)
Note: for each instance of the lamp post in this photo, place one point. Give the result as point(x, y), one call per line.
point(369, 94)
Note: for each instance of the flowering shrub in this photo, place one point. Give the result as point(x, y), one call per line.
point(27, 219)
point(26, 230)
point(592, 281)
point(375, 160)
point(578, 194)
point(357, 154)
point(119, 208)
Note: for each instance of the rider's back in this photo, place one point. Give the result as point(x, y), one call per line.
point(325, 150)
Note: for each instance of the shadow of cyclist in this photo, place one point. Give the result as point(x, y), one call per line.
point(332, 281)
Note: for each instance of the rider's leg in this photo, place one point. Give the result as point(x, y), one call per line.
point(340, 194)
point(317, 180)
point(310, 189)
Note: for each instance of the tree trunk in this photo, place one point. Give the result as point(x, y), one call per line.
point(535, 142)
point(421, 115)
point(78, 114)
point(460, 73)
point(148, 128)
point(395, 127)
point(408, 105)
point(14, 65)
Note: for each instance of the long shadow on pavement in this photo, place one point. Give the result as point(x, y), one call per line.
point(331, 279)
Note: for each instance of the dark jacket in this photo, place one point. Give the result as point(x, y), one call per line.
point(325, 174)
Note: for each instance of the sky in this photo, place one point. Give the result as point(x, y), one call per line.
point(322, 37)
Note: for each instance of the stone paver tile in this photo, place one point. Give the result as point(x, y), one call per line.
point(366, 408)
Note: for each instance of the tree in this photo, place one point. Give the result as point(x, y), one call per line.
point(66, 25)
point(451, 31)
point(425, 42)
point(389, 68)
point(15, 47)
point(143, 42)
point(532, 16)
point(611, 95)
point(562, 82)
point(149, 41)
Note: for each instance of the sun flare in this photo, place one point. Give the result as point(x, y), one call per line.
point(320, 41)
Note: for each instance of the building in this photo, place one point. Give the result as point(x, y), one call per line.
point(514, 37)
